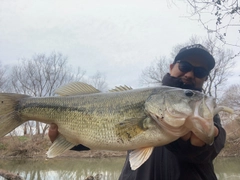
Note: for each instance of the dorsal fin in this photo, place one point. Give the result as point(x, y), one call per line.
point(120, 88)
point(76, 88)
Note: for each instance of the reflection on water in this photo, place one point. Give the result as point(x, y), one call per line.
point(63, 169)
point(110, 168)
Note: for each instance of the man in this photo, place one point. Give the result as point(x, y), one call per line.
point(187, 158)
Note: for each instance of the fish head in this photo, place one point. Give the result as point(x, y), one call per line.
point(175, 108)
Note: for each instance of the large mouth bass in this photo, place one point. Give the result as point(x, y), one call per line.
point(124, 120)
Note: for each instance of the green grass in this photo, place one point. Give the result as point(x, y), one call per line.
point(3, 146)
point(23, 138)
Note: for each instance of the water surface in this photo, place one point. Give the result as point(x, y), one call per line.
point(109, 168)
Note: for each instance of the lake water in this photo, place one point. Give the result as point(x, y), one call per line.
point(109, 168)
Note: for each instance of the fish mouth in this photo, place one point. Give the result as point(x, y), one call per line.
point(198, 119)
point(203, 127)
point(201, 122)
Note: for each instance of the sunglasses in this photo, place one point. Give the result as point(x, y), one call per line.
point(198, 72)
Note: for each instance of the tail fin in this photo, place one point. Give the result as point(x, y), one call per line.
point(9, 118)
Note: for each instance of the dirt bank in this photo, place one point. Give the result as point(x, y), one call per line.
point(36, 147)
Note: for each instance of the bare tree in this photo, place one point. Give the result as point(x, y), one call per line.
point(3, 78)
point(219, 17)
point(231, 98)
point(154, 73)
point(98, 80)
point(224, 63)
point(41, 75)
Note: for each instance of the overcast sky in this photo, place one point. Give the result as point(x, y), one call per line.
point(117, 39)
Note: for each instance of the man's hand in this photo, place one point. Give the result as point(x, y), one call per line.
point(53, 132)
point(195, 141)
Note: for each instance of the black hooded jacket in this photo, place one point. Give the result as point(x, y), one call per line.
point(178, 160)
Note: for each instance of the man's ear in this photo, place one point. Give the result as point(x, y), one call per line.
point(171, 66)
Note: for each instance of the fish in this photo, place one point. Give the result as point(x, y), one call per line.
point(119, 120)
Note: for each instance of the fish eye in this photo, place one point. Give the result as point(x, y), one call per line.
point(189, 93)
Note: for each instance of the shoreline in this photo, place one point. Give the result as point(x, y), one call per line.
point(35, 147)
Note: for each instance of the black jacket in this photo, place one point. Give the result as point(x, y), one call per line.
point(178, 160)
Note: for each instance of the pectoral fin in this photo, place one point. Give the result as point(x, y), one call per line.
point(130, 128)
point(139, 156)
point(59, 146)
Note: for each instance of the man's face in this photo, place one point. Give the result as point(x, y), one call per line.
point(189, 77)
